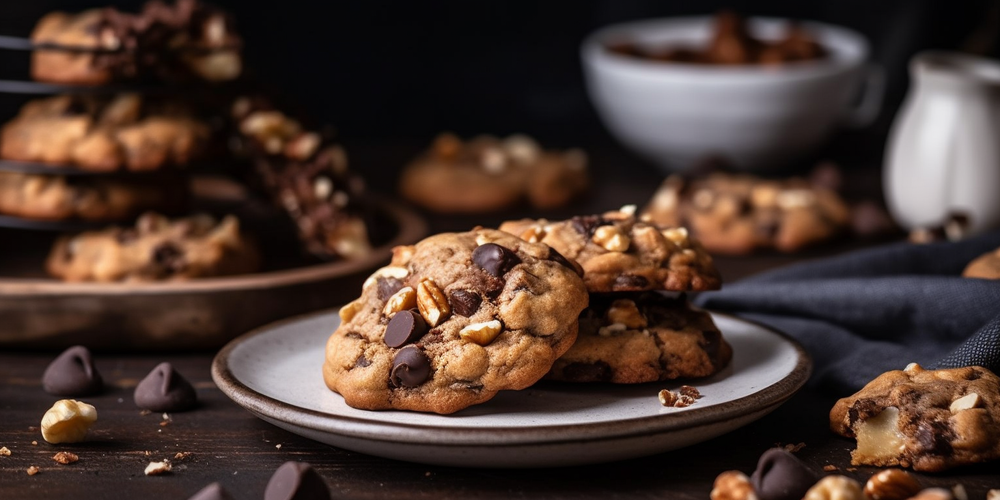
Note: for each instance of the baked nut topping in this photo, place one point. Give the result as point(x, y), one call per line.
point(892, 484)
point(157, 468)
point(482, 333)
point(67, 421)
point(732, 485)
point(347, 312)
point(432, 303)
point(966, 402)
point(611, 238)
point(405, 298)
point(624, 311)
point(835, 488)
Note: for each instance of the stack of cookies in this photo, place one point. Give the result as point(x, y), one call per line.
point(460, 316)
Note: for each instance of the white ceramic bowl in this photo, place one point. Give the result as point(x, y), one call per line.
point(757, 117)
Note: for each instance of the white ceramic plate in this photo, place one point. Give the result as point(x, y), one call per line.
point(275, 372)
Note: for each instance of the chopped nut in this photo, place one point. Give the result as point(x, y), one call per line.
point(157, 468)
point(732, 485)
point(164, 423)
point(913, 368)
point(34, 443)
point(482, 333)
point(4, 452)
point(278, 446)
point(683, 401)
point(628, 210)
point(387, 272)
point(432, 303)
point(181, 455)
point(830, 468)
point(65, 457)
point(835, 488)
point(32, 470)
point(611, 238)
point(405, 298)
point(892, 484)
point(794, 448)
point(534, 234)
point(970, 400)
point(625, 311)
point(667, 398)
point(688, 390)
point(677, 235)
point(607, 331)
point(67, 421)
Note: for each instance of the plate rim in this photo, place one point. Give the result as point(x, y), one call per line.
point(268, 407)
point(412, 227)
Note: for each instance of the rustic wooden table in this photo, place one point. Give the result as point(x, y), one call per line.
point(219, 441)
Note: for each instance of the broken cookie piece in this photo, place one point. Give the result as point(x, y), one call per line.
point(929, 420)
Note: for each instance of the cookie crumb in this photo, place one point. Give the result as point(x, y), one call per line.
point(278, 446)
point(830, 468)
point(164, 423)
point(143, 413)
point(32, 428)
point(855, 469)
point(147, 453)
point(428, 474)
point(181, 455)
point(670, 398)
point(157, 468)
point(166, 416)
point(32, 470)
point(684, 401)
point(794, 448)
point(4, 452)
point(667, 398)
point(65, 457)
point(691, 391)
point(34, 443)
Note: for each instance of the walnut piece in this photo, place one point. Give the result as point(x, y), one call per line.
point(65, 457)
point(732, 485)
point(432, 303)
point(892, 484)
point(481, 333)
point(611, 239)
point(405, 298)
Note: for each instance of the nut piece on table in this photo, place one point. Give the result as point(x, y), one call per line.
point(835, 488)
point(67, 421)
point(157, 468)
point(732, 485)
point(65, 457)
point(892, 484)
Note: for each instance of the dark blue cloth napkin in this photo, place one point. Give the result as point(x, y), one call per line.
point(867, 312)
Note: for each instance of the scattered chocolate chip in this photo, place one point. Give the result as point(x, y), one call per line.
point(410, 367)
point(405, 327)
point(627, 282)
point(72, 374)
point(464, 302)
point(296, 481)
point(214, 491)
point(165, 390)
point(598, 371)
point(781, 476)
point(587, 224)
point(495, 259)
point(558, 257)
point(387, 287)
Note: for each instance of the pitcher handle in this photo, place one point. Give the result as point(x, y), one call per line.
point(872, 90)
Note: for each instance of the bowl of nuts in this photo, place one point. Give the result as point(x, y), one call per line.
point(760, 92)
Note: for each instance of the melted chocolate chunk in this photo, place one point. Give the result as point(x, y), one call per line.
point(361, 362)
point(410, 367)
point(495, 259)
point(781, 476)
point(296, 481)
point(165, 390)
point(626, 282)
point(598, 371)
point(405, 327)
point(214, 491)
point(587, 224)
point(464, 302)
point(387, 287)
point(555, 256)
point(935, 437)
point(72, 374)
point(169, 256)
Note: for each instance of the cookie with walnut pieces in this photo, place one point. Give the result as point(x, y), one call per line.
point(631, 338)
point(930, 420)
point(453, 320)
point(621, 253)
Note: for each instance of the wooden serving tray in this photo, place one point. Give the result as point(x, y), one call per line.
point(44, 313)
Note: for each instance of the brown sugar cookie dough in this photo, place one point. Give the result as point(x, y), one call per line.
point(739, 213)
point(930, 420)
point(487, 174)
point(125, 132)
point(631, 338)
point(986, 266)
point(452, 320)
point(155, 249)
point(49, 197)
point(620, 253)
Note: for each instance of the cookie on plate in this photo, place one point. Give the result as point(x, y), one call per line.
point(631, 338)
point(488, 174)
point(930, 420)
point(53, 197)
point(739, 213)
point(452, 320)
point(155, 249)
point(184, 41)
point(621, 253)
point(986, 266)
point(125, 132)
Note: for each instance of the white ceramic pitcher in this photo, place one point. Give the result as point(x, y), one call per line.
point(943, 154)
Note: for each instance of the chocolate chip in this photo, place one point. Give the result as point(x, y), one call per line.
point(587, 224)
point(495, 259)
point(464, 302)
point(410, 367)
point(405, 327)
point(296, 481)
point(361, 362)
point(169, 256)
point(555, 256)
point(626, 282)
point(781, 476)
point(72, 374)
point(598, 371)
point(387, 287)
point(214, 491)
point(165, 390)
point(935, 438)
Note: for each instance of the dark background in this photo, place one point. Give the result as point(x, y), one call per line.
point(397, 73)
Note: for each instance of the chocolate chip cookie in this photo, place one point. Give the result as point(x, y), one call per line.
point(631, 338)
point(487, 174)
point(620, 253)
point(739, 213)
point(930, 420)
point(125, 132)
point(184, 41)
point(155, 249)
point(452, 320)
point(986, 266)
point(52, 197)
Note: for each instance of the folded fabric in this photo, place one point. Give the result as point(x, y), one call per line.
point(867, 312)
